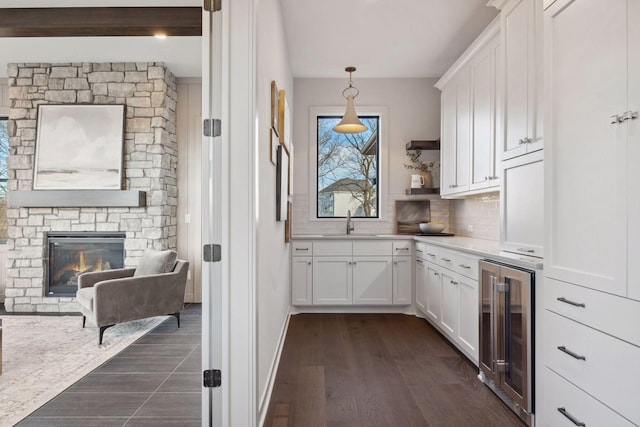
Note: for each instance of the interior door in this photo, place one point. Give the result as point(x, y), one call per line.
point(213, 298)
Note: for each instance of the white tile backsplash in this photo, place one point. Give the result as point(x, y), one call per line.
point(476, 216)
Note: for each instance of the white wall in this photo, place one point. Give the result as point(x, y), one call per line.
point(413, 114)
point(189, 131)
point(272, 273)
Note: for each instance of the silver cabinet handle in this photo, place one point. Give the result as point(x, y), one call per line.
point(571, 418)
point(419, 261)
point(435, 273)
point(528, 140)
point(494, 177)
point(615, 119)
point(465, 266)
point(402, 249)
point(431, 255)
point(566, 301)
point(453, 282)
point(446, 259)
point(571, 353)
point(308, 262)
point(302, 249)
point(418, 250)
point(453, 185)
point(521, 141)
point(629, 115)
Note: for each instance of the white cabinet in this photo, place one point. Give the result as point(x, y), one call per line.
point(484, 155)
point(468, 305)
point(522, 205)
point(421, 285)
point(402, 280)
point(433, 291)
point(372, 279)
point(332, 280)
point(521, 43)
point(449, 318)
point(351, 272)
point(469, 99)
point(301, 280)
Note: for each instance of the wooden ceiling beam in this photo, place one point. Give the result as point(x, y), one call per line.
point(100, 21)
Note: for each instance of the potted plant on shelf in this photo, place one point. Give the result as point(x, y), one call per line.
point(424, 168)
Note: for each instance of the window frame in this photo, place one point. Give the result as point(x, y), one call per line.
point(4, 115)
point(324, 111)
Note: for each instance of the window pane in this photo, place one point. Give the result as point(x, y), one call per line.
point(4, 175)
point(347, 169)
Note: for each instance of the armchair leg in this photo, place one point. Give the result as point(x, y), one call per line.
point(102, 329)
point(177, 316)
point(84, 320)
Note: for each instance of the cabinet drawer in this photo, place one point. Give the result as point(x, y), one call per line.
point(559, 393)
point(605, 367)
point(302, 248)
point(614, 315)
point(402, 247)
point(446, 258)
point(421, 250)
point(467, 265)
point(369, 247)
point(431, 253)
point(332, 248)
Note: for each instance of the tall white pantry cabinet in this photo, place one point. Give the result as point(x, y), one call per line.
point(592, 212)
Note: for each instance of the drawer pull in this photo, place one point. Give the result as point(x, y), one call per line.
point(435, 273)
point(453, 282)
point(576, 304)
point(302, 249)
point(403, 249)
point(571, 353)
point(431, 255)
point(419, 250)
point(419, 260)
point(529, 251)
point(446, 259)
point(465, 266)
point(571, 417)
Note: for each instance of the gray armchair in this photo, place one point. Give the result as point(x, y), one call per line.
point(116, 296)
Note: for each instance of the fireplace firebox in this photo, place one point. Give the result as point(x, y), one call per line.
point(71, 254)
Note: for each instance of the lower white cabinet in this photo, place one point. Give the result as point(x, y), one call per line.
point(332, 280)
point(402, 280)
point(352, 272)
point(447, 293)
point(302, 278)
point(372, 277)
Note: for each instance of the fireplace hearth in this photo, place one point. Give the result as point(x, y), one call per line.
point(71, 254)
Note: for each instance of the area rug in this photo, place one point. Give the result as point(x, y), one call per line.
point(44, 355)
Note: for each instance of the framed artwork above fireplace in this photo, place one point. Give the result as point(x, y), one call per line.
point(79, 147)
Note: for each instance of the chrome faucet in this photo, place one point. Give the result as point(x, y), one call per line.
point(349, 224)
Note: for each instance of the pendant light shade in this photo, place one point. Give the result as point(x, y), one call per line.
point(350, 122)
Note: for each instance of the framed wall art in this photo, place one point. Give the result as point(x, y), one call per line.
point(275, 102)
point(284, 119)
point(79, 147)
point(282, 183)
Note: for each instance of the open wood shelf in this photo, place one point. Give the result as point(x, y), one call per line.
point(423, 145)
point(421, 191)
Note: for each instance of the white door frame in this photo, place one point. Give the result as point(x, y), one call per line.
point(229, 213)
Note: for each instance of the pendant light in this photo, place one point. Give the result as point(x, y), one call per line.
point(350, 122)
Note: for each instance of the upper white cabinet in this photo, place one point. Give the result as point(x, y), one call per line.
point(468, 119)
point(593, 150)
point(521, 124)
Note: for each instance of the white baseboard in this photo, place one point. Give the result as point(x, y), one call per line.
point(397, 309)
point(263, 407)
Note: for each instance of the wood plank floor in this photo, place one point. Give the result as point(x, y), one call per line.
point(377, 370)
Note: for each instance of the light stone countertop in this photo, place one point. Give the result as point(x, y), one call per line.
point(480, 247)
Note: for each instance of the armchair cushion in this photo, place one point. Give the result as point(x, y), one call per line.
point(155, 262)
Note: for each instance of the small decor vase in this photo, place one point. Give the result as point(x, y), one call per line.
point(428, 179)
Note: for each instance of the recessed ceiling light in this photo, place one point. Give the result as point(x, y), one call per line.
point(160, 36)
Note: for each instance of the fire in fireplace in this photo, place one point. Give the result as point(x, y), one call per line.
point(71, 254)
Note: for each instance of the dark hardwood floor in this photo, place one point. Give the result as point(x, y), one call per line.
point(377, 370)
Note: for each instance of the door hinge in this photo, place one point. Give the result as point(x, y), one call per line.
point(212, 5)
point(212, 253)
point(212, 127)
point(212, 378)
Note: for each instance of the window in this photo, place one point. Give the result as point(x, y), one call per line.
point(347, 169)
point(4, 176)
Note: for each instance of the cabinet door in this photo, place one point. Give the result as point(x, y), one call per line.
point(483, 107)
point(634, 148)
point(519, 39)
point(421, 286)
point(372, 280)
point(468, 321)
point(463, 130)
point(332, 280)
point(522, 200)
point(402, 280)
point(301, 280)
point(448, 140)
point(433, 292)
point(586, 190)
point(449, 318)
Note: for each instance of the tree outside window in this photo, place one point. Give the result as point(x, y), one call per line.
point(347, 169)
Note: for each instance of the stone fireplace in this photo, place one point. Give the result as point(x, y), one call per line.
point(148, 91)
